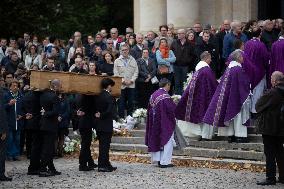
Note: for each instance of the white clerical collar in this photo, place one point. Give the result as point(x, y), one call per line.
point(234, 64)
point(200, 65)
point(281, 37)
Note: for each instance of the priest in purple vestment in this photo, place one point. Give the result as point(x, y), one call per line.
point(161, 125)
point(277, 54)
point(257, 54)
point(196, 99)
point(229, 108)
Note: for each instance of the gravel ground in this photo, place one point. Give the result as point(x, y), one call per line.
point(134, 176)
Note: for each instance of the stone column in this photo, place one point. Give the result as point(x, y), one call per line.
point(149, 15)
point(244, 10)
point(182, 13)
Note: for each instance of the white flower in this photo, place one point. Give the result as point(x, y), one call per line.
point(189, 76)
point(176, 98)
point(139, 113)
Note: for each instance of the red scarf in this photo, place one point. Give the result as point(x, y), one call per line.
point(164, 51)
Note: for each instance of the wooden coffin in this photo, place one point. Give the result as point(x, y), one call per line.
point(73, 82)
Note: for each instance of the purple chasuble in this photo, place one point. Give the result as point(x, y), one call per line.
point(197, 96)
point(277, 57)
point(258, 56)
point(247, 66)
point(228, 98)
point(160, 120)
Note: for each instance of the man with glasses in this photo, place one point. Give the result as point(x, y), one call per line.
point(163, 34)
point(114, 37)
point(110, 48)
point(126, 67)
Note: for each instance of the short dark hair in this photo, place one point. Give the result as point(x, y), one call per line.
point(163, 82)
point(163, 26)
point(237, 44)
point(106, 82)
point(256, 33)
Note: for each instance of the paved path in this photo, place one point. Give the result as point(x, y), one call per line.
point(134, 176)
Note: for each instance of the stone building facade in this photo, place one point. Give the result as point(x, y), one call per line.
point(149, 14)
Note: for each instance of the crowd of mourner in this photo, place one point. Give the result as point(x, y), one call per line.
point(228, 71)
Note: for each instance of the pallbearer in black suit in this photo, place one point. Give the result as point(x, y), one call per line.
point(3, 138)
point(104, 124)
point(49, 103)
point(86, 122)
point(31, 110)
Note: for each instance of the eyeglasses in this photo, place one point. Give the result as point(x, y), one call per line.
point(163, 30)
point(113, 33)
point(109, 43)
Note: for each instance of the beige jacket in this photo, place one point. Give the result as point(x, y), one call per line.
point(127, 69)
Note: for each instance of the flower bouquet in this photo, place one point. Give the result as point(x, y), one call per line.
point(189, 76)
point(140, 115)
point(71, 145)
point(176, 98)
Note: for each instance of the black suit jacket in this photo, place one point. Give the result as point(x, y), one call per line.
point(3, 116)
point(49, 101)
point(87, 105)
point(105, 105)
point(31, 104)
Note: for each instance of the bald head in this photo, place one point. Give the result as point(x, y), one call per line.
point(268, 25)
point(55, 85)
point(227, 25)
point(276, 78)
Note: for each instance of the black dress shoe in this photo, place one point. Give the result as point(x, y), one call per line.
point(46, 174)
point(241, 140)
point(33, 172)
point(281, 181)
point(92, 166)
point(267, 182)
point(4, 178)
point(113, 168)
point(231, 139)
point(55, 172)
point(105, 169)
point(85, 168)
point(166, 166)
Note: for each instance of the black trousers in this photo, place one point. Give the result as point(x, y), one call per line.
point(104, 146)
point(274, 152)
point(3, 149)
point(144, 92)
point(85, 152)
point(47, 152)
point(36, 148)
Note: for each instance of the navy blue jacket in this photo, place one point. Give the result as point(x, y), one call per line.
point(11, 113)
point(228, 43)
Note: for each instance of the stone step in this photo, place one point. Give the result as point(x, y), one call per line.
point(196, 152)
point(196, 159)
point(200, 144)
point(258, 147)
point(128, 140)
point(137, 133)
point(221, 153)
point(141, 148)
